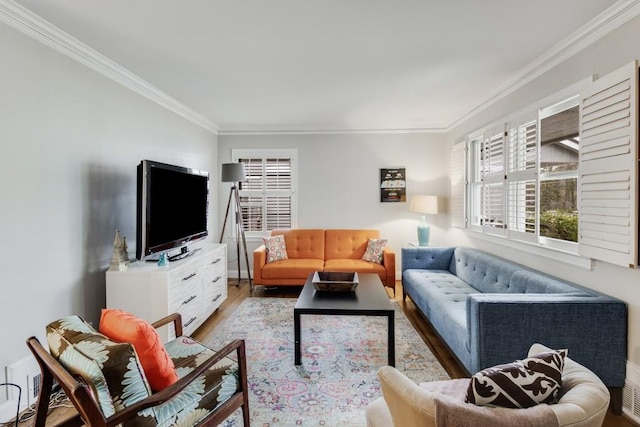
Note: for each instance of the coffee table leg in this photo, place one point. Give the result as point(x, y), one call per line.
point(296, 336)
point(392, 340)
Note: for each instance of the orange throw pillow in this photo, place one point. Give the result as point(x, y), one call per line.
point(121, 326)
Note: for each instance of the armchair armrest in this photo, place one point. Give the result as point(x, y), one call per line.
point(408, 403)
point(259, 261)
point(502, 327)
point(237, 346)
point(176, 318)
point(389, 262)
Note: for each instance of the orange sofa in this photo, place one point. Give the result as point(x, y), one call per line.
point(310, 250)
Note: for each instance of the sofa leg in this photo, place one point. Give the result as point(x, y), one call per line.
point(615, 404)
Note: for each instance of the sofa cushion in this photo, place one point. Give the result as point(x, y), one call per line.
point(442, 297)
point(375, 248)
point(121, 326)
point(276, 248)
point(521, 384)
point(530, 282)
point(347, 244)
point(303, 243)
point(292, 268)
point(485, 273)
point(357, 265)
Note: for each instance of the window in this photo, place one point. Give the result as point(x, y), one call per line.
point(559, 154)
point(564, 176)
point(523, 177)
point(267, 197)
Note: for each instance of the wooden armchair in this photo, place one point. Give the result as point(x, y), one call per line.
point(106, 393)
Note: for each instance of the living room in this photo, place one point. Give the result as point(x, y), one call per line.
point(72, 138)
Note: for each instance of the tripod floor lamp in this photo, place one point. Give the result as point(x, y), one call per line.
point(234, 172)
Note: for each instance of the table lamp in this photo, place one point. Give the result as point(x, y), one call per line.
point(424, 205)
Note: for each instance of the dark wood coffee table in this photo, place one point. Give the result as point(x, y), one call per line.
point(369, 299)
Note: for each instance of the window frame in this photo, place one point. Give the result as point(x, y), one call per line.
point(259, 153)
point(546, 247)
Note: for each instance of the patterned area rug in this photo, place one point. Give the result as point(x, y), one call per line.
point(340, 358)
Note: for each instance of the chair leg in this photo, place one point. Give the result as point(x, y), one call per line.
point(42, 408)
point(616, 400)
point(242, 370)
point(245, 411)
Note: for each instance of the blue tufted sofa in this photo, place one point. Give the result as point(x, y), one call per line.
point(490, 311)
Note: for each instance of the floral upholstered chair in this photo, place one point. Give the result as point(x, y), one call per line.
point(107, 384)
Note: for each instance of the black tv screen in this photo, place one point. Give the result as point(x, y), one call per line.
point(172, 207)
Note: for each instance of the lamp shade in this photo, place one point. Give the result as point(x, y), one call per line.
point(424, 204)
point(233, 172)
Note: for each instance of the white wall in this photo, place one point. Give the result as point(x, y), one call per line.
point(615, 50)
point(339, 177)
point(70, 141)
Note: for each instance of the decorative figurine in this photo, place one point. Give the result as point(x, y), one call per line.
point(163, 261)
point(125, 251)
point(119, 262)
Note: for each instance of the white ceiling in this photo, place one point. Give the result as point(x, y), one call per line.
point(340, 65)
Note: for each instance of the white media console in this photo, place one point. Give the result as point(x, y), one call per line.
point(194, 287)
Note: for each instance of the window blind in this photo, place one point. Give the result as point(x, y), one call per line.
point(521, 179)
point(458, 185)
point(266, 197)
point(492, 193)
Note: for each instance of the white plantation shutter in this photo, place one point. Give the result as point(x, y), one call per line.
point(458, 185)
point(493, 207)
point(266, 197)
point(522, 178)
point(492, 193)
point(493, 154)
point(608, 168)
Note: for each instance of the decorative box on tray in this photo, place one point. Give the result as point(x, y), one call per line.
point(335, 281)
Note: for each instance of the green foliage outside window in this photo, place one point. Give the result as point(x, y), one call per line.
point(559, 225)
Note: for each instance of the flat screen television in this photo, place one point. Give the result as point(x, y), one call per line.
point(172, 209)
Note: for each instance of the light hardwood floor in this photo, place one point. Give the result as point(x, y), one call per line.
point(237, 294)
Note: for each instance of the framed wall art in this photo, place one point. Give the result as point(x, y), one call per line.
point(393, 185)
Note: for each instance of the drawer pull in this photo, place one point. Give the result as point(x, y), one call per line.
point(188, 300)
point(215, 261)
point(184, 279)
point(216, 279)
point(216, 298)
point(190, 321)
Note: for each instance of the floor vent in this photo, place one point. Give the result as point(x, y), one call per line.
point(631, 401)
point(33, 379)
point(26, 374)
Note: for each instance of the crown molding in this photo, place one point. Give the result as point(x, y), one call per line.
point(331, 131)
point(612, 18)
point(32, 25)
